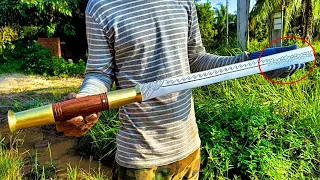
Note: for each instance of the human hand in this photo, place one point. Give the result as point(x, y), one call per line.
point(282, 72)
point(77, 126)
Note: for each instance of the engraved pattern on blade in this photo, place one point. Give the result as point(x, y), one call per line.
point(148, 88)
point(287, 58)
point(235, 67)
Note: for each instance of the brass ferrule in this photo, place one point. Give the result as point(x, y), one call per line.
point(122, 97)
point(31, 118)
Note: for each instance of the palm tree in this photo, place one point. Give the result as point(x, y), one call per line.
point(309, 12)
point(220, 18)
point(265, 9)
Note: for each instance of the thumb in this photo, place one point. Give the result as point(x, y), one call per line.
point(70, 96)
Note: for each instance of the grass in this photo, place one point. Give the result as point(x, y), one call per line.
point(24, 92)
point(10, 164)
point(253, 129)
point(80, 174)
point(249, 127)
point(100, 141)
point(14, 167)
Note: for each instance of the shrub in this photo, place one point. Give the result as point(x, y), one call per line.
point(31, 58)
point(9, 34)
point(52, 17)
point(64, 68)
point(26, 57)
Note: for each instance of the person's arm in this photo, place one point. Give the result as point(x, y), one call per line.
point(198, 58)
point(100, 65)
point(99, 78)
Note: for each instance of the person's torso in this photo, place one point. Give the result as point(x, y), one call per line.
point(149, 38)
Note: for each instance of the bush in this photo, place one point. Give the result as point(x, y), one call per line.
point(9, 34)
point(64, 68)
point(26, 57)
point(31, 58)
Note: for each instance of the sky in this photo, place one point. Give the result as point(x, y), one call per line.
point(232, 4)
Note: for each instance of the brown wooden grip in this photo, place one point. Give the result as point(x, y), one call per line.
point(80, 107)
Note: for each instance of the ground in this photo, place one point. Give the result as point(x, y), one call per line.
point(19, 92)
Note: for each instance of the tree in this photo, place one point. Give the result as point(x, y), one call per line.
point(221, 19)
point(307, 9)
point(206, 24)
point(242, 24)
point(220, 23)
point(50, 16)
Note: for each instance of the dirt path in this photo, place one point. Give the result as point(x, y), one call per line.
point(20, 92)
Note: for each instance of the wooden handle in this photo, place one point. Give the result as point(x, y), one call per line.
point(80, 107)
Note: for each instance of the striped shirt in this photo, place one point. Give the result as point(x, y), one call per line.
point(139, 41)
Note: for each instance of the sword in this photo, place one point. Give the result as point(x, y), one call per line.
point(66, 110)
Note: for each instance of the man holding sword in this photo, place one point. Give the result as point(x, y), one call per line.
point(139, 41)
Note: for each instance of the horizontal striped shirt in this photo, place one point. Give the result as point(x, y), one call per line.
point(139, 41)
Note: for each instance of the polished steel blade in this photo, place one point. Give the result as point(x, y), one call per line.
point(161, 87)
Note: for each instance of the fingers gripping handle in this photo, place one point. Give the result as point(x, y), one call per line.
point(80, 107)
point(49, 114)
point(91, 104)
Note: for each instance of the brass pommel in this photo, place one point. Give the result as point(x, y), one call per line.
point(31, 118)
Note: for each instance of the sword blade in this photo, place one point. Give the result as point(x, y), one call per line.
point(280, 60)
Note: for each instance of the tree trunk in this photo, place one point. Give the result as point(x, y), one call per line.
point(270, 28)
point(242, 24)
point(308, 21)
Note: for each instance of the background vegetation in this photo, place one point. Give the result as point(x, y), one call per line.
point(249, 127)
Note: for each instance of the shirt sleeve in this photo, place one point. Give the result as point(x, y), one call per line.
point(198, 58)
point(100, 65)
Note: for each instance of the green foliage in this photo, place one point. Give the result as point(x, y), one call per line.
point(256, 130)
point(9, 162)
point(50, 16)
point(7, 34)
point(64, 68)
point(206, 24)
point(298, 15)
point(212, 24)
point(221, 25)
point(31, 58)
point(258, 31)
point(40, 171)
point(249, 128)
point(100, 142)
point(77, 173)
point(10, 34)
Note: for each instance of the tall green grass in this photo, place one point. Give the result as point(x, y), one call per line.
point(10, 164)
point(100, 141)
point(249, 127)
point(253, 129)
point(13, 166)
point(80, 174)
